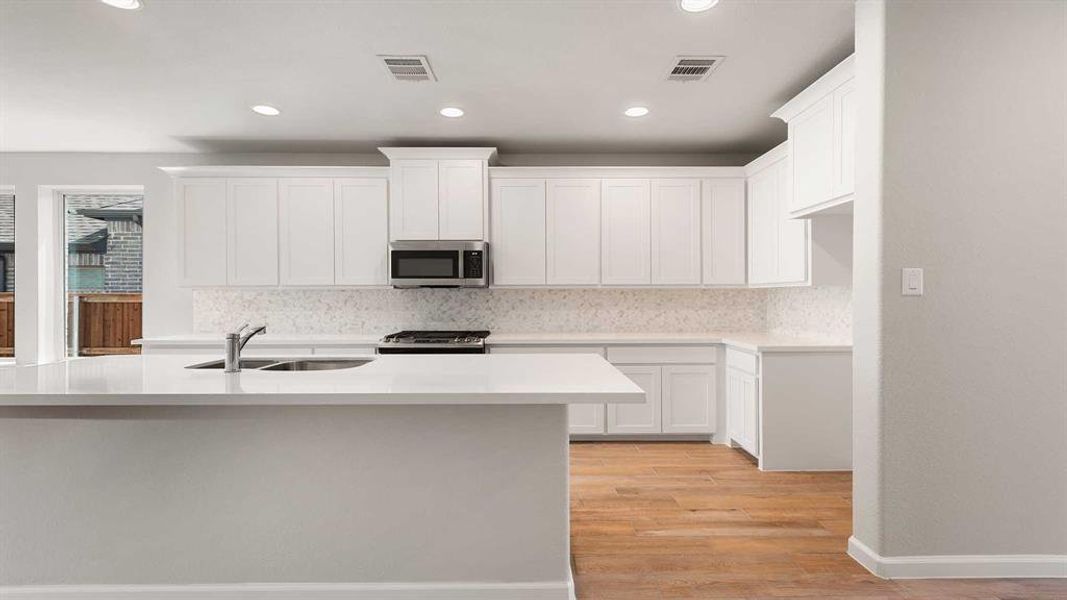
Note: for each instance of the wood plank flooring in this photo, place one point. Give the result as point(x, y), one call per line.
point(669, 520)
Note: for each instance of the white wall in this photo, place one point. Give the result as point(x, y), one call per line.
point(961, 395)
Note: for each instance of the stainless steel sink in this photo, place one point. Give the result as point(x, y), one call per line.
point(246, 363)
point(317, 364)
point(288, 364)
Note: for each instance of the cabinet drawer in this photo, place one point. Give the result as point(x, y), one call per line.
point(742, 361)
point(546, 350)
point(662, 354)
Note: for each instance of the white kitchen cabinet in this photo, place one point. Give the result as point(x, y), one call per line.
point(811, 140)
point(688, 398)
point(252, 231)
point(361, 231)
point(778, 247)
point(572, 231)
point(723, 218)
point(518, 238)
point(626, 226)
point(844, 174)
point(306, 231)
point(202, 227)
point(460, 199)
point(822, 138)
point(413, 201)
point(676, 231)
point(742, 401)
point(639, 418)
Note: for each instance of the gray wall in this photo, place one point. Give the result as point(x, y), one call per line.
point(961, 395)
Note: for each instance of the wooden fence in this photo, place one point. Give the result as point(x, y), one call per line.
point(107, 323)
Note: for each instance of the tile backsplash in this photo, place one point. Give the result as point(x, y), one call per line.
point(380, 311)
point(811, 311)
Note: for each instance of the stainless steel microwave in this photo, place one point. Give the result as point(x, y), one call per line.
point(432, 263)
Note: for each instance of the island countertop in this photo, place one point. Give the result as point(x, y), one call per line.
point(163, 380)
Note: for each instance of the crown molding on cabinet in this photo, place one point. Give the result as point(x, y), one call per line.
point(614, 172)
point(440, 153)
point(822, 86)
point(276, 171)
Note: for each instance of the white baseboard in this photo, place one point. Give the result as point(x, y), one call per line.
point(563, 590)
point(965, 566)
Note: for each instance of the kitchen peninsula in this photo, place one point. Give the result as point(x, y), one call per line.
point(413, 476)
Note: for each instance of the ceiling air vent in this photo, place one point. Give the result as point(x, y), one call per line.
point(408, 68)
point(693, 68)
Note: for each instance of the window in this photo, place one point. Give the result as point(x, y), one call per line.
point(7, 275)
point(104, 271)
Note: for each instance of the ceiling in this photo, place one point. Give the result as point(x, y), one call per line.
point(533, 75)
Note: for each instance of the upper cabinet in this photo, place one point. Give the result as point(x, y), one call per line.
point(822, 139)
point(723, 227)
point(779, 248)
point(438, 193)
point(626, 232)
point(572, 231)
point(202, 228)
point(252, 231)
point(290, 230)
point(518, 242)
point(676, 231)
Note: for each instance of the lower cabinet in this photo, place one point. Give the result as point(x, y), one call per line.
point(742, 409)
point(688, 398)
point(639, 418)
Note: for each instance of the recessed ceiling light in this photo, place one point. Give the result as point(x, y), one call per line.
point(266, 110)
point(696, 5)
point(451, 112)
point(124, 4)
point(636, 111)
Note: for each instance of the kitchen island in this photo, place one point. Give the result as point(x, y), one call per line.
point(408, 477)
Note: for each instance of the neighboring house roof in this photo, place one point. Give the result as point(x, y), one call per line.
point(85, 232)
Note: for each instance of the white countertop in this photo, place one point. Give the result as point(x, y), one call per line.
point(750, 341)
point(156, 380)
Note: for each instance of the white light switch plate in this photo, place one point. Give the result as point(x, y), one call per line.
point(911, 281)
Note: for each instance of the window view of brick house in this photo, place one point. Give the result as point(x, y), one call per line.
point(104, 273)
point(7, 275)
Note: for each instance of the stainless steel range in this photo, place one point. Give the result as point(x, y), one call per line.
point(434, 342)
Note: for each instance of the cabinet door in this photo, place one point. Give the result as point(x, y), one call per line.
point(689, 399)
point(585, 418)
point(573, 231)
point(793, 235)
point(735, 405)
point(361, 231)
point(252, 231)
point(461, 199)
point(763, 218)
point(638, 418)
point(626, 227)
point(306, 223)
point(723, 214)
point(202, 227)
point(750, 401)
point(811, 150)
point(676, 231)
point(413, 199)
point(844, 182)
point(517, 245)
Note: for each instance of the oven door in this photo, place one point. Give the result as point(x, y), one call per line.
point(436, 264)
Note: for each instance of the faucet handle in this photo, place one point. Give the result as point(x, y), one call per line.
point(240, 329)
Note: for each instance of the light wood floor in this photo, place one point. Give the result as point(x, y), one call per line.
point(693, 520)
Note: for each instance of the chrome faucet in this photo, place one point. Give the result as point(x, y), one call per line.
point(235, 342)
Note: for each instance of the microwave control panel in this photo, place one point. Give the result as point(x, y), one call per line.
point(472, 264)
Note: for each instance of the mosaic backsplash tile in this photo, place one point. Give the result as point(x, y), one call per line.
point(380, 311)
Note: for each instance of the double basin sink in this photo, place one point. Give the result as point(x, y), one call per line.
point(288, 364)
